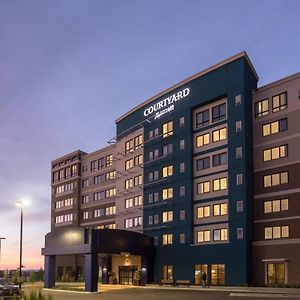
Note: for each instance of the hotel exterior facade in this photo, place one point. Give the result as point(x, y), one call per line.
point(200, 178)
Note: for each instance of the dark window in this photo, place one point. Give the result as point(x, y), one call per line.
point(279, 102)
point(203, 163)
point(93, 165)
point(202, 118)
point(219, 112)
point(167, 149)
point(283, 124)
point(220, 159)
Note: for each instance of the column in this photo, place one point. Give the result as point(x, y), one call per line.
point(49, 275)
point(91, 272)
point(145, 270)
point(106, 269)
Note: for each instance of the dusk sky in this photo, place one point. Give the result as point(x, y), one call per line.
point(70, 68)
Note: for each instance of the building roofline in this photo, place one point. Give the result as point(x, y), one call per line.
point(199, 74)
point(68, 155)
point(277, 82)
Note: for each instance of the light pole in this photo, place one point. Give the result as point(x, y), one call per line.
point(21, 205)
point(1, 238)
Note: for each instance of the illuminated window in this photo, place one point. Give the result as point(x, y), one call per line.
point(167, 171)
point(128, 203)
point(220, 234)
point(167, 216)
point(220, 209)
point(274, 127)
point(128, 183)
point(167, 193)
point(202, 140)
point(262, 108)
point(138, 160)
point(203, 236)
point(275, 179)
point(239, 152)
point(278, 205)
point(203, 187)
point(279, 102)
point(219, 112)
point(202, 118)
point(167, 239)
point(167, 272)
point(217, 274)
point(109, 160)
point(111, 210)
point(203, 212)
point(138, 200)
point(275, 153)
point(85, 215)
point(167, 129)
point(138, 141)
point(276, 232)
point(276, 273)
point(129, 164)
point(110, 193)
point(219, 135)
point(239, 179)
point(129, 146)
point(220, 184)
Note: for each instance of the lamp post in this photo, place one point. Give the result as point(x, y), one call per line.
point(21, 205)
point(1, 238)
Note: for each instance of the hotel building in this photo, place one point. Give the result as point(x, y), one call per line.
point(199, 178)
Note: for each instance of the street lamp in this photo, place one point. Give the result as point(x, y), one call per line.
point(1, 238)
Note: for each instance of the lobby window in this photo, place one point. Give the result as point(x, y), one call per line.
point(109, 160)
point(138, 160)
point(128, 203)
point(138, 141)
point(219, 159)
point(182, 215)
point(182, 167)
point(129, 146)
point(182, 191)
point(220, 209)
point(84, 199)
point(203, 212)
point(276, 273)
point(129, 164)
point(238, 152)
point(238, 100)
point(240, 233)
point(203, 236)
point(182, 238)
point(202, 140)
point(181, 121)
point(167, 171)
point(167, 272)
point(239, 206)
point(203, 163)
point(220, 234)
point(167, 239)
point(167, 149)
point(238, 126)
point(276, 232)
point(203, 187)
point(219, 112)
point(274, 127)
point(202, 118)
point(279, 102)
point(239, 179)
point(150, 220)
point(167, 129)
point(275, 153)
point(219, 135)
point(262, 108)
point(277, 205)
point(220, 184)
point(167, 193)
point(276, 179)
point(155, 175)
point(217, 274)
point(181, 145)
point(85, 215)
point(167, 216)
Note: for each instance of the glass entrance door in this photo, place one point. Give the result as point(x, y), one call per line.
point(126, 274)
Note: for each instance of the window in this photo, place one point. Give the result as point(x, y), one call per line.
point(202, 118)
point(109, 160)
point(155, 175)
point(219, 135)
point(217, 274)
point(138, 200)
point(128, 223)
point(262, 108)
point(276, 179)
point(110, 193)
point(150, 198)
point(203, 163)
point(138, 180)
point(151, 155)
point(238, 100)
point(276, 232)
point(219, 112)
point(85, 183)
point(182, 167)
point(279, 102)
point(277, 205)
point(239, 206)
point(182, 238)
point(182, 215)
point(167, 272)
point(238, 126)
point(220, 234)
point(128, 183)
point(238, 152)
point(220, 159)
point(98, 213)
point(167, 216)
point(155, 219)
point(156, 132)
point(276, 273)
point(167, 239)
point(150, 177)
point(275, 153)
point(167, 193)
point(239, 179)
point(138, 141)
point(150, 134)
point(137, 221)
point(155, 241)
point(85, 215)
point(181, 145)
point(61, 174)
point(84, 199)
point(181, 122)
point(203, 187)
point(220, 184)
point(155, 153)
point(203, 236)
point(129, 146)
point(167, 171)
point(274, 127)
point(202, 140)
point(240, 233)
point(110, 175)
point(101, 163)
point(167, 149)
point(155, 197)
point(220, 209)
point(150, 220)
point(138, 160)
point(99, 195)
point(203, 212)
point(182, 191)
point(129, 164)
point(93, 165)
point(128, 203)
point(167, 129)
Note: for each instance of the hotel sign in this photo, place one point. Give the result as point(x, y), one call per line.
point(166, 105)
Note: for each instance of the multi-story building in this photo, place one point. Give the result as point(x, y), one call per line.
point(200, 173)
